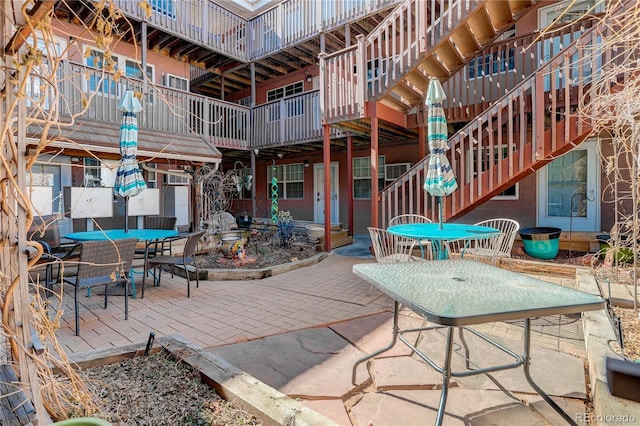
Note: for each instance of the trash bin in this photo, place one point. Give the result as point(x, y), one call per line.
point(541, 242)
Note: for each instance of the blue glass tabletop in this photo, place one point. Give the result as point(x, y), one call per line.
point(119, 234)
point(446, 231)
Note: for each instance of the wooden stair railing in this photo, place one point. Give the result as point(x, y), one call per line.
point(393, 63)
point(519, 134)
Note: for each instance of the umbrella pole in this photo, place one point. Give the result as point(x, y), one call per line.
point(440, 211)
point(126, 214)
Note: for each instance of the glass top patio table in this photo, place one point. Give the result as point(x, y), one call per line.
point(449, 231)
point(454, 294)
point(119, 234)
point(465, 292)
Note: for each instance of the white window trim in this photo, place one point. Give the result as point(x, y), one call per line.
point(121, 64)
point(381, 173)
point(509, 197)
point(165, 80)
point(284, 182)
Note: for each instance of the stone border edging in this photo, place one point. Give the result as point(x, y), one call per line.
point(244, 391)
point(598, 335)
point(257, 274)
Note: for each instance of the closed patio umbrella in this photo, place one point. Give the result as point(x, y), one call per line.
point(440, 180)
point(129, 181)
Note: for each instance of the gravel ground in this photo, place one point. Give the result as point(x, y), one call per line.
point(156, 390)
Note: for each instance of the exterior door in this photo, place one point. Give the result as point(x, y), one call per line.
point(318, 191)
point(569, 193)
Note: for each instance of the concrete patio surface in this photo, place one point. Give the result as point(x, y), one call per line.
point(300, 333)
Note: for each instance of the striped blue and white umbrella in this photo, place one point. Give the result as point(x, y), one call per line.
point(440, 180)
point(129, 181)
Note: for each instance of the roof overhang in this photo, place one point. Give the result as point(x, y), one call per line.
point(102, 137)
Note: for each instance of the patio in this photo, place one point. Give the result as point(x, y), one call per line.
point(302, 335)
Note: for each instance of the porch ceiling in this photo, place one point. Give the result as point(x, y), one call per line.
point(102, 137)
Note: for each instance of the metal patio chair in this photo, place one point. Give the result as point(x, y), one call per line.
point(187, 258)
point(45, 230)
point(496, 248)
point(101, 264)
point(403, 219)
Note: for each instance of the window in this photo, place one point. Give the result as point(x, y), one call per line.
point(132, 69)
point(152, 177)
point(39, 90)
point(109, 64)
point(290, 180)
point(362, 176)
point(99, 173)
point(163, 7)
point(285, 91)
point(510, 193)
point(244, 101)
point(293, 107)
point(494, 63)
point(175, 179)
point(176, 82)
point(394, 171)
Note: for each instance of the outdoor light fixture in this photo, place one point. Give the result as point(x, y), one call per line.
point(256, 151)
point(309, 78)
point(306, 163)
point(280, 155)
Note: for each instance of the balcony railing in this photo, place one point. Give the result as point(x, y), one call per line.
point(289, 121)
point(291, 22)
point(295, 21)
point(198, 21)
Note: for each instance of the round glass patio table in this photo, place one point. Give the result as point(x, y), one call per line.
point(440, 233)
point(119, 234)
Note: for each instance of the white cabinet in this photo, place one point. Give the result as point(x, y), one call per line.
point(81, 202)
point(42, 200)
point(145, 203)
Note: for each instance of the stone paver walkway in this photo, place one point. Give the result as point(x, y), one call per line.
point(300, 332)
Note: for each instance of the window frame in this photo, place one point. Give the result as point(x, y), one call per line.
point(284, 184)
point(363, 179)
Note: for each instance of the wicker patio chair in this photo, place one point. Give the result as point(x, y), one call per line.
point(103, 263)
point(185, 259)
point(45, 230)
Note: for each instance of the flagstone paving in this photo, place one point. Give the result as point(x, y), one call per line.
point(300, 333)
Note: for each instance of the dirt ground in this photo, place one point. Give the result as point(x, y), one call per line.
point(261, 251)
point(156, 390)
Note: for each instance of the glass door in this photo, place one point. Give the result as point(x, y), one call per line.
point(568, 188)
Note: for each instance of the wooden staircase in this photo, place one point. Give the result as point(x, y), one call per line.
point(519, 133)
point(391, 67)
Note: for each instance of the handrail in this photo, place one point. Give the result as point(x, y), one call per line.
point(386, 55)
point(500, 66)
point(518, 134)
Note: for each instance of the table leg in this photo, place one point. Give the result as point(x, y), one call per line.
point(446, 376)
point(526, 358)
point(394, 339)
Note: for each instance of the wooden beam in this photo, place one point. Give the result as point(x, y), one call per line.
point(41, 9)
